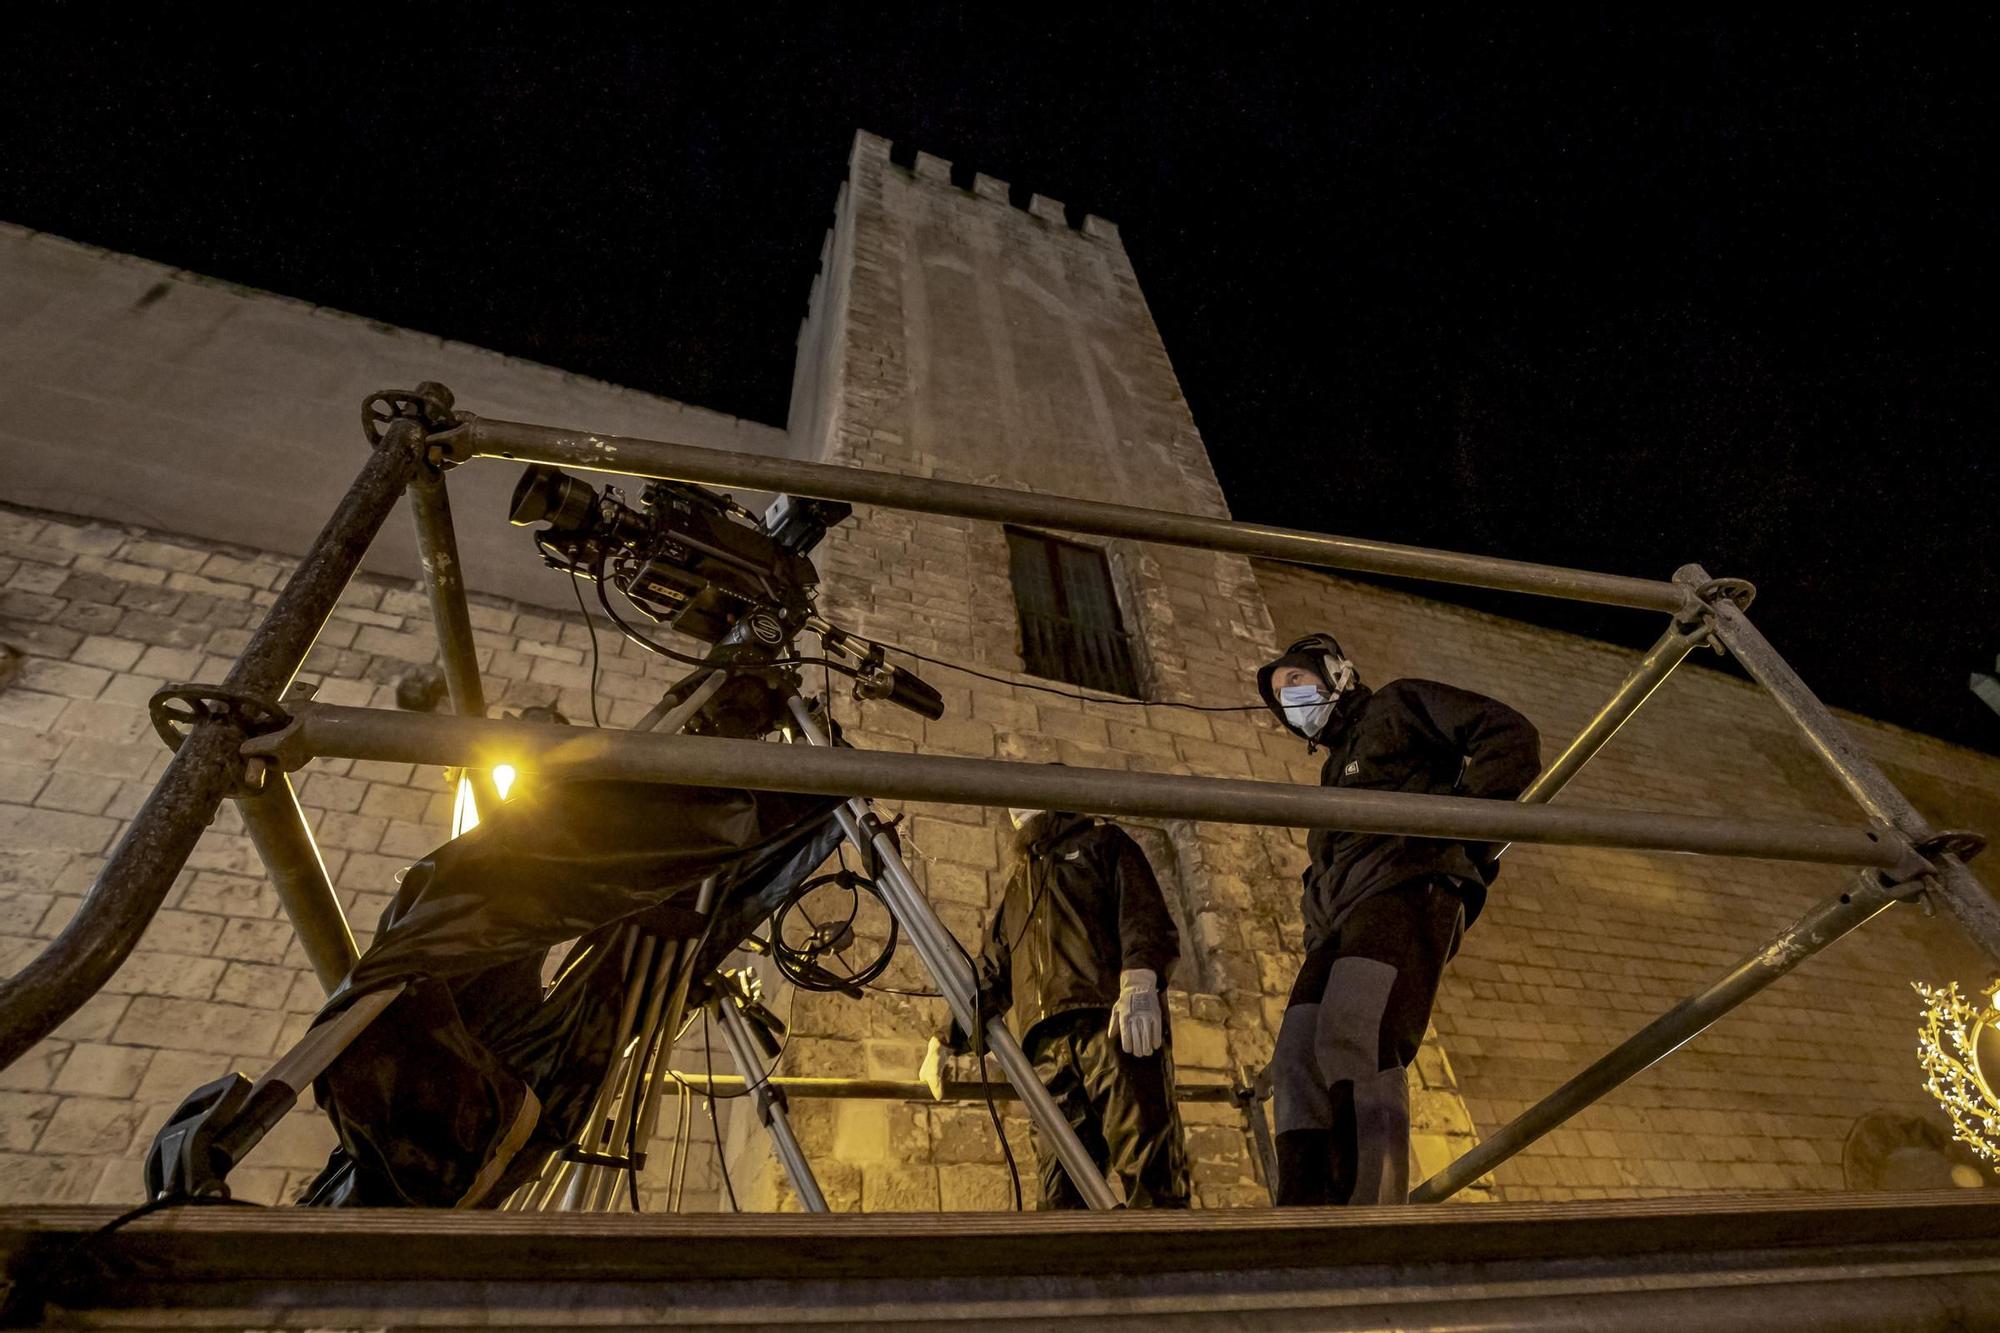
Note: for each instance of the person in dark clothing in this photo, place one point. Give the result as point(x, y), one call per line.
point(1078, 955)
point(1383, 914)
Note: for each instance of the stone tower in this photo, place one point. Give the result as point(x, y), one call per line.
point(954, 335)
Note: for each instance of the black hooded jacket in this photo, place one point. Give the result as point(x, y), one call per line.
point(1412, 736)
point(1081, 905)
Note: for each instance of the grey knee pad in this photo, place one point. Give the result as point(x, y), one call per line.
point(1348, 1044)
point(1299, 1097)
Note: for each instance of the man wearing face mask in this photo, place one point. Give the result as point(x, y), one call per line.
point(1079, 951)
point(1383, 914)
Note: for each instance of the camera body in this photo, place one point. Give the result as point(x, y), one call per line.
point(686, 554)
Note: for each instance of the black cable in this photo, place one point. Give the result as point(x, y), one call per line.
point(63, 1269)
point(604, 600)
point(715, 1122)
point(1067, 694)
point(591, 625)
point(985, 1086)
point(750, 1085)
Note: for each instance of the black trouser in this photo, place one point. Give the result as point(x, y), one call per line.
point(1121, 1106)
point(1355, 1020)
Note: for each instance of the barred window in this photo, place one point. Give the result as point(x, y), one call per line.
point(1070, 626)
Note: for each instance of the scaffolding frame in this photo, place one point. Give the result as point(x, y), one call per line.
point(241, 739)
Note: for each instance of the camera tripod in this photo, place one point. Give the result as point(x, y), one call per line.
point(657, 989)
point(218, 1124)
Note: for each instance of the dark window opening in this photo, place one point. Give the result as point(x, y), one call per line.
point(1070, 626)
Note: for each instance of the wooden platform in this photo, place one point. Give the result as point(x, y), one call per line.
point(1761, 1263)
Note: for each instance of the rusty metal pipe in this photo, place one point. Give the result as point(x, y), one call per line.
point(1647, 675)
point(444, 579)
point(896, 1090)
point(363, 733)
point(930, 495)
point(141, 868)
point(284, 841)
point(1822, 925)
point(1968, 900)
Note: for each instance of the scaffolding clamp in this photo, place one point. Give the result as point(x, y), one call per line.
point(429, 405)
point(1696, 618)
point(177, 709)
point(282, 746)
point(1919, 874)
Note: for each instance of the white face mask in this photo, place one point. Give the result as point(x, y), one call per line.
point(1306, 707)
point(1022, 818)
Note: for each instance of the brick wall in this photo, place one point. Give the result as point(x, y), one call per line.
point(1579, 948)
point(101, 616)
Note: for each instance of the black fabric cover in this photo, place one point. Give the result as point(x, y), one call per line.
point(423, 1097)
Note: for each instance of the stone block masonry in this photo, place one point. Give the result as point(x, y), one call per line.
point(1579, 947)
point(959, 337)
point(102, 615)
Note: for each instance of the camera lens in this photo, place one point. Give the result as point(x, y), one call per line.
point(548, 495)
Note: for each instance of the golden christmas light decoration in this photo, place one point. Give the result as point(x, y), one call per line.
point(1948, 1050)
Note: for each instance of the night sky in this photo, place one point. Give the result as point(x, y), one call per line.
point(1592, 292)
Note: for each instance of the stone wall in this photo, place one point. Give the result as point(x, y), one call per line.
point(1579, 948)
point(96, 617)
point(988, 343)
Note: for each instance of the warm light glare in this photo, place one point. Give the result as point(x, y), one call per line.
point(464, 811)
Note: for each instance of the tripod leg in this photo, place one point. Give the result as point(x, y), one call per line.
point(770, 1105)
point(949, 967)
point(681, 954)
point(218, 1125)
point(622, 1138)
point(639, 956)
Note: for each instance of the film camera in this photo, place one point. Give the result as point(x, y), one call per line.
point(693, 559)
point(702, 564)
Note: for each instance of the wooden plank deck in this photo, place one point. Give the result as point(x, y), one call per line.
point(1832, 1261)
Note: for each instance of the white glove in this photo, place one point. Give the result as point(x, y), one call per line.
point(931, 1072)
point(1135, 1019)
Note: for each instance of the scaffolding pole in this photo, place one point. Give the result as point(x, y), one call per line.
point(419, 433)
point(207, 766)
point(284, 842)
point(900, 1090)
point(444, 578)
point(1822, 925)
point(557, 447)
point(1682, 636)
point(1968, 900)
point(332, 731)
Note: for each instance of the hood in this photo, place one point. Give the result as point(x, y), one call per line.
point(1053, 826)
point(1320, 654)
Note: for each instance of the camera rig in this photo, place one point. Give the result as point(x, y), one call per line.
point(697, 562)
